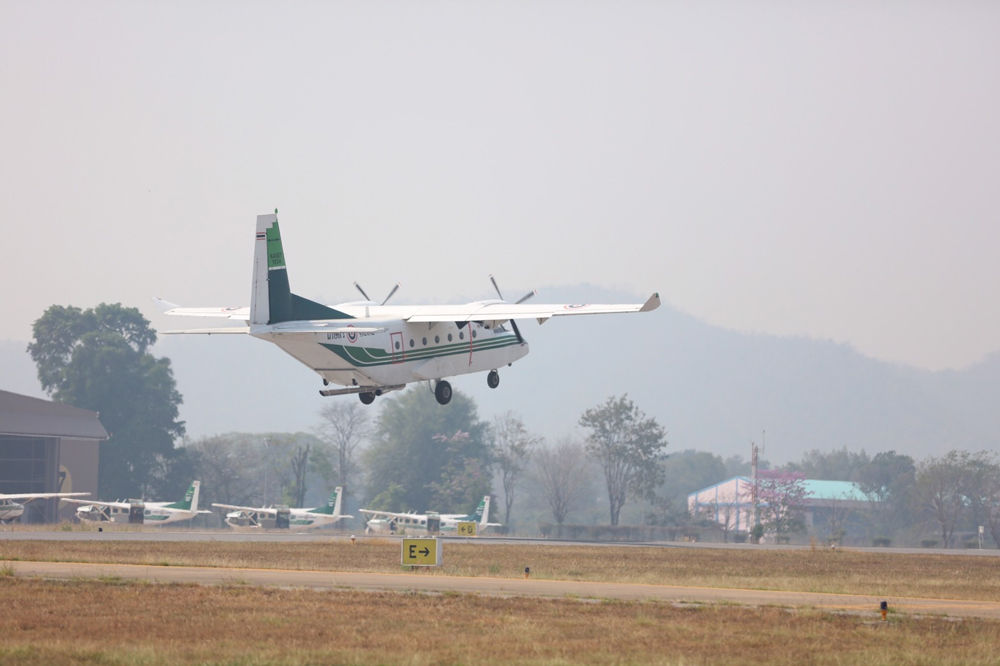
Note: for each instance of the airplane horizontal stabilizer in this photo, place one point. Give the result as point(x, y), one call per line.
point(232, 330)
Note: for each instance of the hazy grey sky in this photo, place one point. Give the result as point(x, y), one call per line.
point(825, 169)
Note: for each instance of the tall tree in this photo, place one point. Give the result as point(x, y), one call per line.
point(562, 472)
point(344, 429)
point(889, 482)
point(232, 468)
point(98, 359)
point(628, 446)
point(512, 447)
point(944, 488)
point(447, 476)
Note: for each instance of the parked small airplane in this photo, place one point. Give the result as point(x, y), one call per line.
point(139, 512)
point(282, 517)
point(11, 509)
point(371, 348)
point(387, 522)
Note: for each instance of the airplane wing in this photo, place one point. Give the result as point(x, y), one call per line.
point(31, 496)
point(120, 505)
point(498, 311)
point(233, 507)
point(385, 514)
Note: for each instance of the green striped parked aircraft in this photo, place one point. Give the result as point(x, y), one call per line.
point(141, 512)
point(371, 348)
point(282, 517)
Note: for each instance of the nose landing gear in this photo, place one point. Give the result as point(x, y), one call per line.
point(493, 379)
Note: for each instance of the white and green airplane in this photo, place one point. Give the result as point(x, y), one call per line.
point(388, 522)
point(370, 348)
point(282, 517)
point(140, 512)
point(12, 506)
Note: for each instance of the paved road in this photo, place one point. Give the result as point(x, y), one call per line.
point(165, 534)
point(423, 582)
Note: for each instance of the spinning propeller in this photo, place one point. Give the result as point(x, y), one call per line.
point(513, 324)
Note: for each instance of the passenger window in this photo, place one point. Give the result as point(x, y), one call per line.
point(473, 333)
point(449, 337)
point(424, 341)
point(461, 335)
point(437, 339)
point(411, 343)
point(397, 344)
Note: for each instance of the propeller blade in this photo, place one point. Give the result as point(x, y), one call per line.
point(362, 291)
point(394, 290)
point(493, 280)
point(526, 296)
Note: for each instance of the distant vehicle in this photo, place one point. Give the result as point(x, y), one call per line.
point(387, 522)
point(371, 348)
point(282, 517)
point(140, 512)
point(11, 509)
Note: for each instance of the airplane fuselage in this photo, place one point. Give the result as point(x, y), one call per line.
point(399, 353)
point(151, 515)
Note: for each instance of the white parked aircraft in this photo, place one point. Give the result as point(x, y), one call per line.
point(282, 517)
point(371, 348)
point(140, 512)
point(387, 522)
point(11, 509)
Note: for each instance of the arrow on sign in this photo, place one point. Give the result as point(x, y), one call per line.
point(425, 552)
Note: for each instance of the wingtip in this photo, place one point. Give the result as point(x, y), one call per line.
point(164, 306)
point(651, 303)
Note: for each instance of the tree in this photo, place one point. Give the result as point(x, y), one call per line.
point(345, 427)
point(682, 474)
point(781, 496)
point(889, 483)
point(232, 468)
point(562, 472)
point(628, 446)
point(512, 446)
point(944, 489)
point(97, 359)
point(836, 465)
point(289, 461)
point(450, 476)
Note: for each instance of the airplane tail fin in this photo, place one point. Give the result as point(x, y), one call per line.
point(190, 501)
point(271, 300)
point(333, 504)
point(483, 512)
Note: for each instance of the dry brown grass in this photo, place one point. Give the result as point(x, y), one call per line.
point(106, 623)
point(873, 574)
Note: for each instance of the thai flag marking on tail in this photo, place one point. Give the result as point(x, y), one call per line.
point(261, 235)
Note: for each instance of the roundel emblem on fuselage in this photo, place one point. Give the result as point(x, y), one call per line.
point(351, 337)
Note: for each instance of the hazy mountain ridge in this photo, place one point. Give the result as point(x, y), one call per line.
point(712, 388)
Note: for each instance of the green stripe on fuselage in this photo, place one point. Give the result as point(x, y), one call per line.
point(373, 356)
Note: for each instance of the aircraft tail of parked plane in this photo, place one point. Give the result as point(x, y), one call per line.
point(371, 348)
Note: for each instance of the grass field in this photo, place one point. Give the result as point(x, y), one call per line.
point(113, 622)
point(95, 623)
point(843, 571)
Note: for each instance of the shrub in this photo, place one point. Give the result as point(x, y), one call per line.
point(882, 542)
point(929, 543)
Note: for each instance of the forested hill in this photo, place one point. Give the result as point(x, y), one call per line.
point(713, 389)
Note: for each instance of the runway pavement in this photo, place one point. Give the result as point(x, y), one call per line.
point(424, 582)
point(154, 534)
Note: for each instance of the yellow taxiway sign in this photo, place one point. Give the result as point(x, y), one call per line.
point(421, 552)
point(467, 528)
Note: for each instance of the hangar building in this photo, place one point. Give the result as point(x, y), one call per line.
point(47, 447)
point(731, 502)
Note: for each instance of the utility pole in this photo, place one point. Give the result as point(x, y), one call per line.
point(753, 482)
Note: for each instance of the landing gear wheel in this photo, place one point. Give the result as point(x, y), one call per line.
point(443, 392)
point(493, 379)
point(367, 398)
